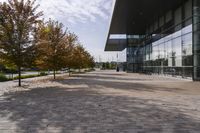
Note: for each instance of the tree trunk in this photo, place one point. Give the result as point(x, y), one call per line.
point(69, 72)
point(54, 74)
point(12, 76)
point(19, 75)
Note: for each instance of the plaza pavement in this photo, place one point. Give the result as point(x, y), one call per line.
point(100, 102)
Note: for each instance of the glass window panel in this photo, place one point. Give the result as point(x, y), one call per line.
point(188, 9)
point(148, 52)
point(155, 43)
point(162, 40)
point(176, 47)
point(151, 52)
point(178, 18)
point(155, 52)
point(177, 34)
point(187, 29)
point(144, 53)
point(187, 71)
point(168, 16)
point(188, 60)
point(168, 46)
point(162, 50)
point(168, 38)
point(176, 52)
point(170, 62)
point(187, 44)
point(178, 61)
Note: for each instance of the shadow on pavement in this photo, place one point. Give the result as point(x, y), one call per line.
point(65, 110)
point(118, 83)
point(110, 77)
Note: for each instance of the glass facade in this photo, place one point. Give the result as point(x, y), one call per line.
point(170, 55)
point(168, 47)
point(134, 54)
point(160, 38)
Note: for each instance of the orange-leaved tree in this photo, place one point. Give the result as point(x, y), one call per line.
point(81, 58)
point(18, 23)
point(70, 41)
point(51, 48)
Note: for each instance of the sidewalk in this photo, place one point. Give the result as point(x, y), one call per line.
point(102, 102)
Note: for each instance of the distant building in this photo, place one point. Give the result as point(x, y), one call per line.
point(161, 36)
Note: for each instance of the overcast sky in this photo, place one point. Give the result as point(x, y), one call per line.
point(89, 19)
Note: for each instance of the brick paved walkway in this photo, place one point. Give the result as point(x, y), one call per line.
point(102, 102)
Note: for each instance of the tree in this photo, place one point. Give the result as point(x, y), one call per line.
point(88, 60)
point(78, 57)
point(51, 47)
point(107, 65)
point(91, 62)
point(81, 58)
point(104, 66)
point(70, 40)
point(18, 21)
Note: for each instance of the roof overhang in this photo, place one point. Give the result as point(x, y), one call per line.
point(116, 45)
point(132, 17)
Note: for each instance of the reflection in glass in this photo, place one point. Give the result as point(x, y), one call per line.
point(171, 55)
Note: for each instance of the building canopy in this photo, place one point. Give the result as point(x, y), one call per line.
point(132, 17)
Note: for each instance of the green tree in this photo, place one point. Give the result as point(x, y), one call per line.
point(104, 65)
point(18, 23)
point(107, 65)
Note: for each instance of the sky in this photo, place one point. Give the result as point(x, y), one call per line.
point(89, 19)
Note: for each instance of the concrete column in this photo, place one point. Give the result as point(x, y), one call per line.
point(196, 39)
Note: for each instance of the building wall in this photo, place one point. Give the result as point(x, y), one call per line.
point(167, 47)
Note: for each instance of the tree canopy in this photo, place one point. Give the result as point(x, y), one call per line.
point(26, 40)
point(18, 23)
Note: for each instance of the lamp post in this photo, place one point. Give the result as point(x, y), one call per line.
point(117, 63)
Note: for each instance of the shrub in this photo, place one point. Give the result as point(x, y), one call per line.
point(3, 77)
point(43, 74)
point(26, 76)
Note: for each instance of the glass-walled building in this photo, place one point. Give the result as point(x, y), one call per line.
point(162, 37)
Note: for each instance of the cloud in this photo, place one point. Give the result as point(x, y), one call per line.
point(89, 19)
point(76, 11)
